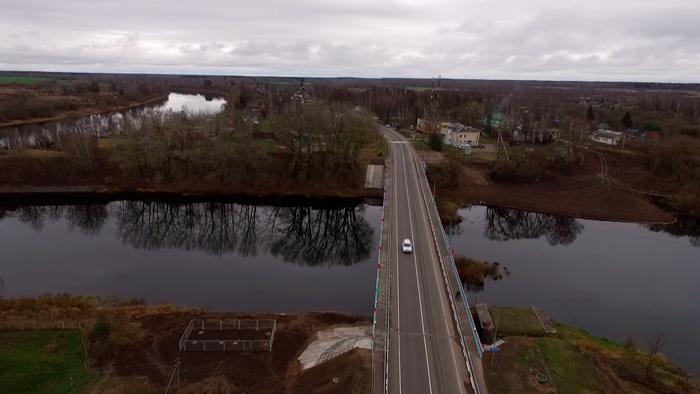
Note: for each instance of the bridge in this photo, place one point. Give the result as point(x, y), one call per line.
point(425, 341)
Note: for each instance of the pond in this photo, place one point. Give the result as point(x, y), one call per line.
point(104, 125)
point(225, 256)
point(612, 279)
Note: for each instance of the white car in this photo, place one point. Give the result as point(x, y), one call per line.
point(407, 247)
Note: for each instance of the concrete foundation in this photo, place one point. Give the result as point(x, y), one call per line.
point(488, 330)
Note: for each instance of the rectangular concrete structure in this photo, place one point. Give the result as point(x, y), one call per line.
point(374, 177)
point(486, 323)
point(545, 320)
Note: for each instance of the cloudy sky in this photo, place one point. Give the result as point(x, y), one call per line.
point(645, 40)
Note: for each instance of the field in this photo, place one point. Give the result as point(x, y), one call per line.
point(42, 362)
point(29, 80)
point(419, 89)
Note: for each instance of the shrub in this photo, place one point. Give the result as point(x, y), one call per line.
point(435, 142)
point(531, 165)
point(475, 272)
point(102, 329)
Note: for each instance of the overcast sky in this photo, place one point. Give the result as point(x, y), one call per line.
point(612, 40)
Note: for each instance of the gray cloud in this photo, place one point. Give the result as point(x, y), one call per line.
point(540, 39)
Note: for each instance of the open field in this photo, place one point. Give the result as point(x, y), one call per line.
point(576, 362)
point(43, 361)
point(29, 80)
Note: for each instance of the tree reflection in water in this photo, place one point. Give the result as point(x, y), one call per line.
point(509, 224)
point(88, 219)
point(684, 226)
point(301, 235)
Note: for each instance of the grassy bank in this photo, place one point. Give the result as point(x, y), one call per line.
point(43, 362)
point(574, 362)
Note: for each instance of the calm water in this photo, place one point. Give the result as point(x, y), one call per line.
point(105, 124)
point(612, 279)
point(223, 256)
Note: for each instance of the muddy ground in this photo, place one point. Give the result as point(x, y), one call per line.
point(277, 371)
point(612, 188)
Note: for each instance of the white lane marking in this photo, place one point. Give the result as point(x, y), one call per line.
point(398, 294)
point(446, 312)
point(415, 260)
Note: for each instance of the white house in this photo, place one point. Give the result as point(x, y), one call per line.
point(606, 137)
point(457, 134)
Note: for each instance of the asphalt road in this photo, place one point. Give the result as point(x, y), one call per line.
point(425, 355)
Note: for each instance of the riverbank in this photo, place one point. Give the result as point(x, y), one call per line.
point(283, 195)
point(584, 194)
point(137, 345)
point(574, 361)
point(86, 195)
point(81, 113)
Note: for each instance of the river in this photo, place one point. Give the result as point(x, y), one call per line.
point(104, 124)
point(224, 256)
point(612, 279)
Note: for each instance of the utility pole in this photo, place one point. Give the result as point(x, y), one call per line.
point(495, 336)
point(623, 142)
point(178, 375)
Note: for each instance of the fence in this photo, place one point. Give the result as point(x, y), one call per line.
point(232, 326)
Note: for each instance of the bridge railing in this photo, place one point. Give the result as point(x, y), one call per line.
point(445, 238)
point(451, 276)
point(382, 284)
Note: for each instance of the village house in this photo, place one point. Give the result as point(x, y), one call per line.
point(427, 126)
point(459, 135)
point(607, 137)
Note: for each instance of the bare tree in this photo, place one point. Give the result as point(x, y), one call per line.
point(79, 142)
point(655, 344)
point(576, 132)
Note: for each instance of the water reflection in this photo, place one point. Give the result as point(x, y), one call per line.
point(613, 278)
point(43, 135)
point(684, 226)
point(509, 224)
point(300, 235)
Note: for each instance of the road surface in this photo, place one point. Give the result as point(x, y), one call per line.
point(425, 356)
